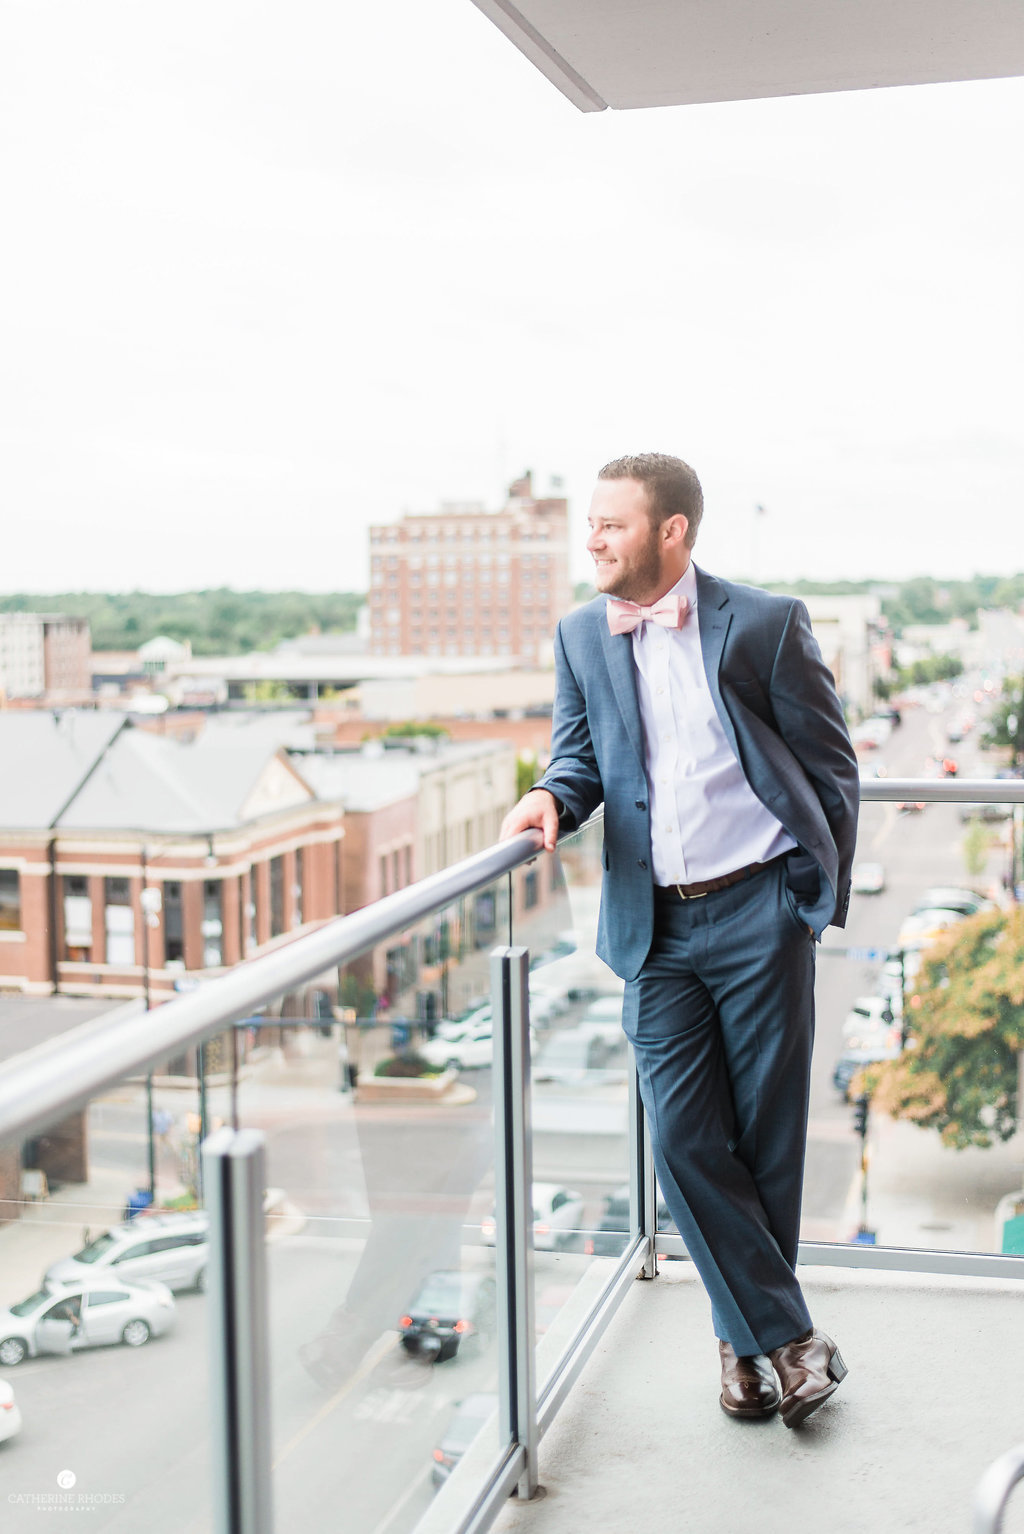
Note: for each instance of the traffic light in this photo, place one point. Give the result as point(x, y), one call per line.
point(860, 1114)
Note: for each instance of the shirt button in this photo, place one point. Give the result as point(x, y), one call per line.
point(641, 804)
point(660, 691)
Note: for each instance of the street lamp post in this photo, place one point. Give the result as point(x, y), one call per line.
point(151, 901)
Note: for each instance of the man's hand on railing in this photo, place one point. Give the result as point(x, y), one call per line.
point(536, 810)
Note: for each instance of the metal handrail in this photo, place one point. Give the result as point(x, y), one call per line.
point(943, 790)
point(44, 1084)
point(993, 1491)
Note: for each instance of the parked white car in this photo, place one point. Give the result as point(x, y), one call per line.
point(170, 1246)
point(923, 927)
point(557, 1217)
point(867, 879)
point(590, 1055)
point(64, 1318)
point(10, 1416)
point(463, 1049)
point(871, 1019)
point(469, 1047)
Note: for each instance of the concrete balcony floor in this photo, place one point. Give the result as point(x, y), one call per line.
point(935, 1392)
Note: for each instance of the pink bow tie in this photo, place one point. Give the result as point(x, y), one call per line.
point(624, 617)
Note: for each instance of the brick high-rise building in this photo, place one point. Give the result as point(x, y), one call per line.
point(43, 653)
point(462, 581)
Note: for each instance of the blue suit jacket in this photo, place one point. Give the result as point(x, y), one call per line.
point(777, 703)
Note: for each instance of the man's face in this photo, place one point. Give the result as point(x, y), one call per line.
point(629, 553)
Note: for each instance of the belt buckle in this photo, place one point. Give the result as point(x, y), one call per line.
point(679, 892)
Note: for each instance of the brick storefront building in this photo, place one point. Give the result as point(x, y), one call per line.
point(233, 846)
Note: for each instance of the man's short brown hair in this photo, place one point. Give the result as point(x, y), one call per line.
point(673, 489)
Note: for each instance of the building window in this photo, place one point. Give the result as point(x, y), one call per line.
point(77, 918)
point(276, 897)
point(301, 903)
point(213, 925)
point(10, 900)
point(408, 864)
point(383, 873)
point(530, 892)
point(119, 921)
point(174, 923)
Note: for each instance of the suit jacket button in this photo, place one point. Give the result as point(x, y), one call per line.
point(641, 863)
point(641, 804)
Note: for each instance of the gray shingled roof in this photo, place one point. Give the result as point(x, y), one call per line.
point(363, 783)
point(44, 758)
point(150, 783)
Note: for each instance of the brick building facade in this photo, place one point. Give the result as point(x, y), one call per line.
point(462, 581)
point(236, 853)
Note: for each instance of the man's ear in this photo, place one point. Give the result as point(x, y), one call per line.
point(673, 530)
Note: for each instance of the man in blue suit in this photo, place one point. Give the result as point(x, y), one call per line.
point(701, 714)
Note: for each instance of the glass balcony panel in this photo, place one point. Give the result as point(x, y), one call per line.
point(103, 1318)
point(579, 1100)
point(381, 1261)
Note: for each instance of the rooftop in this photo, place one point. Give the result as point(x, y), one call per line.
point(45, 756)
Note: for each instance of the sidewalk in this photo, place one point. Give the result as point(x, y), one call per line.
point(920, 1193)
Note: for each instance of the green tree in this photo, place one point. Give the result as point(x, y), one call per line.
point(1006, 726)
point(975, 848)
point(959, 1072)
point(409, 728)
point(267, 692)
point(527, 772)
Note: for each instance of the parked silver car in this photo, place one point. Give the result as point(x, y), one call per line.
point(63, 1318)
point(172, 1248)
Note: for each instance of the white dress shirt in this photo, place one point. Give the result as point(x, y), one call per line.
point(705, 818)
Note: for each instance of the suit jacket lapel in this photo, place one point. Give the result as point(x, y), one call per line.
point(618, 655)
point(714, 615)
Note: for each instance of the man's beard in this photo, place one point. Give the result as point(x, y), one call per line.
point(642, 578)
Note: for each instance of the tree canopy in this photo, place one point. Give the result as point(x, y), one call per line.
point(1006, 724)
point(215, 622)
point(959, 1071)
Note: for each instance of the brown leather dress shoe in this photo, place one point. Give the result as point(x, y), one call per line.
point(810, 1368)
point(748, 1384)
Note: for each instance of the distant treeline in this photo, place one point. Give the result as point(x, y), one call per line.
point(225, 621)
point(923, 599)
point(215, 622)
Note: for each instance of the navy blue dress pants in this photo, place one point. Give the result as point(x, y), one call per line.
point(721, 1019)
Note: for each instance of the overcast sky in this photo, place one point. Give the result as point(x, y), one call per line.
point(273, 272)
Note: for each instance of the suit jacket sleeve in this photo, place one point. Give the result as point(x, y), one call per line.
point(810, 720)
point(572, 774)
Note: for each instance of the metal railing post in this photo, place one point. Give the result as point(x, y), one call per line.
point(234, 1180)
point(993, 1491)
point(517, 1387)
point(643, 1187)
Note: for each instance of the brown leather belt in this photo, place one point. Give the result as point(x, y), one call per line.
point(704, 887)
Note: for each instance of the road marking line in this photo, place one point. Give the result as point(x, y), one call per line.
point(369, 1363)
point(393, 1512)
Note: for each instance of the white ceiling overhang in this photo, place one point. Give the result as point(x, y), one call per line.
point(656, 53)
